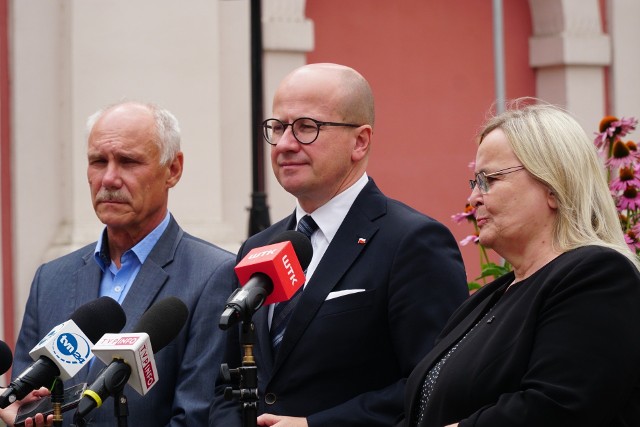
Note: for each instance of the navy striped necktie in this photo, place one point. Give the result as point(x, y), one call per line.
point(307, 226)
point(282, 310)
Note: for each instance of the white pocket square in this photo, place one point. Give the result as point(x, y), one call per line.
point(338, 294)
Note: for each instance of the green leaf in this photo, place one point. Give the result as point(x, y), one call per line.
point(491, 269)
point(474, 285)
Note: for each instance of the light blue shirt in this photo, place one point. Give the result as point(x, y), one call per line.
point(115, 282)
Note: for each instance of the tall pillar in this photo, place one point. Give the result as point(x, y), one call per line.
point(570, 51)
point(287, 37)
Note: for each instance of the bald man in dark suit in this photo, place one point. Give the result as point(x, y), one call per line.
point(383, 279)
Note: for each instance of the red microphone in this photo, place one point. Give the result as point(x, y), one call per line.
point(268, 274)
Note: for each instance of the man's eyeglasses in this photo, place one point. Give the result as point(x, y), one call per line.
point(305, 129)
point(482, 179)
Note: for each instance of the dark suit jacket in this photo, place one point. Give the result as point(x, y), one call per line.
point(560, 348)
point(198, 273)
point(344, 362)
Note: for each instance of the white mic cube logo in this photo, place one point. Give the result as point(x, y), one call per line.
point(135, 350)
point(67, 346)
point(148, 367)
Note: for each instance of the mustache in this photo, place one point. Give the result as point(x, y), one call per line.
point(105, 195)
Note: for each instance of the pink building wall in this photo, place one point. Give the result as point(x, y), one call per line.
point(6, 218)
point(430, 64)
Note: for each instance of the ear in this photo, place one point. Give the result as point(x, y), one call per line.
point(362, 143)
point(175, 170)
point(552, 201)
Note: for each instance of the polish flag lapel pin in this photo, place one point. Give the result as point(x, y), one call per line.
point(362, 241)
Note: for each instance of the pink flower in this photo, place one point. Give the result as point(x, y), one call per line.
point(469, 214)
point(469, 239)
point(629, 199)
point(626, 176)
point(601, 140)
point(623, 154)
point(611, 129)
point(626, 126)
point(632, 237)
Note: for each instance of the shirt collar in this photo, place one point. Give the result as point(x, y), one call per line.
point(329, 216)
point(142, 249)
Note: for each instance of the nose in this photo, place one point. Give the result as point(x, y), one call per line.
point(111, 177)
point(287, 141)
point(475, 198)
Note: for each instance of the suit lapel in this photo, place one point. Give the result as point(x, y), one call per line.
point(261, 318)
point(144, 289)
point(453, 336)
point(340, 255)
point(87, 283)
point(263, 349)
point(86, 288)
point(152, 276)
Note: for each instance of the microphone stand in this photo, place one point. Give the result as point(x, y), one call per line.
point(57, 399)
point(121, 407)
point(114, 385)
point(245, 377)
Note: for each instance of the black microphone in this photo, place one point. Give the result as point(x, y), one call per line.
point(6, 358)
point(128, 353)
point(268, 274)
point(67, 348)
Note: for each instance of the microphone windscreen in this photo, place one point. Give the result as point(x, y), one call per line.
point(301, 245)
point(6, 358)
point(98, 317)
point(163, 321)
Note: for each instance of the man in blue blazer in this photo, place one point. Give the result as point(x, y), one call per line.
point(141, 257)
point(383, 279)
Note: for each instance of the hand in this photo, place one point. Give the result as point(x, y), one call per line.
point(280, 421)
point(8, 414)
point(39, 421)
point(452, 425)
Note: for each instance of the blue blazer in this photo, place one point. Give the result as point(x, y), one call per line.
point(180, 265)
point(344, 361)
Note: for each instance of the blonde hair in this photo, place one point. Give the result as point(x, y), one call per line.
point(555, 149)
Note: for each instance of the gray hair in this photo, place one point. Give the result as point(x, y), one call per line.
point(167, 128)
